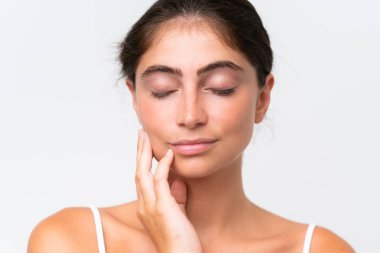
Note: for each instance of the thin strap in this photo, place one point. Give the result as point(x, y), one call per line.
point(99, 229)
point(308, 236)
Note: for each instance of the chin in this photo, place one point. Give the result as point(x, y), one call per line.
point(192, 167)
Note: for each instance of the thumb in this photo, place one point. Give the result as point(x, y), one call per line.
point(179, 192)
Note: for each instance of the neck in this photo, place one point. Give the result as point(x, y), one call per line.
point(214, 203)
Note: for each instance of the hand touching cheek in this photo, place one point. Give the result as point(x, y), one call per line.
point(160, 209)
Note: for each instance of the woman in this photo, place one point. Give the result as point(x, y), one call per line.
point(200, 75)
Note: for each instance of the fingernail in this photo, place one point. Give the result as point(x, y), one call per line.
point(169, 151)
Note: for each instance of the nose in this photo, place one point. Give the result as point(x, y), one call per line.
point(191, 112)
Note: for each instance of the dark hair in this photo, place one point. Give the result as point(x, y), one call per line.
point(236, 22)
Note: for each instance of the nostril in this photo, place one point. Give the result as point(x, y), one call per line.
point(192, 118)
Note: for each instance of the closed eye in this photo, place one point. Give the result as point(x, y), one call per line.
point(224, 92)
point(160, 95)
point(219, 92)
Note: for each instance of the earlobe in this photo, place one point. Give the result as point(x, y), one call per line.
point(263, 99)
point(130, 86)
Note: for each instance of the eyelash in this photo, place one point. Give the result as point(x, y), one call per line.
point(161, 95)
point(223, 93)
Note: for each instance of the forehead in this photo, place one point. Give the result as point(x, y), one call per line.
point(188, 47)
point(196, 27)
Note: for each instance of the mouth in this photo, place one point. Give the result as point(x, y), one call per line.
point(192, 147)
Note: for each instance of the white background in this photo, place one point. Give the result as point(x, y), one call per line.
point(68, 131)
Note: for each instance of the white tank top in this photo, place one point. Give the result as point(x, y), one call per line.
point(101, 245)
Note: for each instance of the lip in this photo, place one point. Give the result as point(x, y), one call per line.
point(194, 141)
point(192, 147)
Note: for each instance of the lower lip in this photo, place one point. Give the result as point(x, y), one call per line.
point(192, 149)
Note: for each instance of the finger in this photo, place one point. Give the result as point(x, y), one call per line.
point(179, 192)
point(140, 204)
point(146, 156)
point(138, 152)
point(161, 185)
point(139, 195)
point(144, 178)
point(139, 144)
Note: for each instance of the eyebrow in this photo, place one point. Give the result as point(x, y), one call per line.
point(175, 71)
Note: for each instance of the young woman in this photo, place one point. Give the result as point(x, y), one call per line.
point(200, 75)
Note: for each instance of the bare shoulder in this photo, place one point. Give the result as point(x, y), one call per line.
point(69, 230)
point(324, 240)
point(73, 230)
point(124, 215)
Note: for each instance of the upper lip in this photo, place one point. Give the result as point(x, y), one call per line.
point(193, 141)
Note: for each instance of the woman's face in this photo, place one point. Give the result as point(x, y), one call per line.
point(198, 97)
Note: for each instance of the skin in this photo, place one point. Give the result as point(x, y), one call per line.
point(192, 203)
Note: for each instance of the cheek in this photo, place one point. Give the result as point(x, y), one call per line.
point(151, 115)
point(155, 121)
point(236, 121)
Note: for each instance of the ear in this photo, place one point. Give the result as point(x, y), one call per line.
point(263, 99)
point(132, 89)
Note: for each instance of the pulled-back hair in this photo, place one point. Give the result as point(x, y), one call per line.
point(236, 22)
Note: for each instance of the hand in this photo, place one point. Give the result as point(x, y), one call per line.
point(160, 209)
